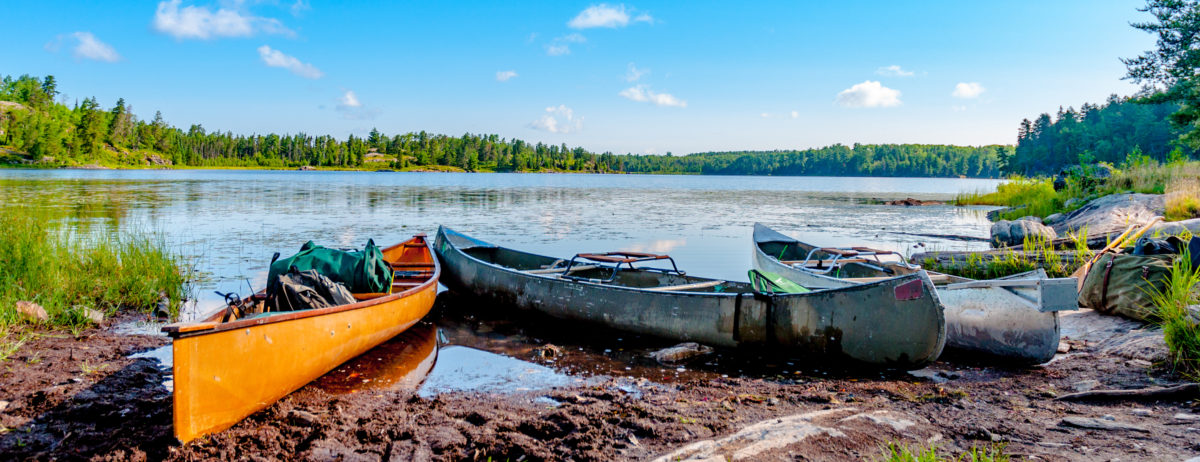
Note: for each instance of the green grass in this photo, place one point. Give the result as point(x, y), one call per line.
point(1027, 196)
point(896, 452)
point(1039, 253)
point(1181, 325)
point(64, 271)
point(1037, 197)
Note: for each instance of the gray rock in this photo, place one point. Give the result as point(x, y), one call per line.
point(93, 316)
point(1100, 424)
point(1010, 233)
point(681, 352)
point(1085, 385)
point(1052, 219)
point(1072, 202)
point(1187, 417)
point(1142, 412)
point(1113, 214)
point(1031, 218)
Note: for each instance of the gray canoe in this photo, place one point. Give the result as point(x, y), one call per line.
point(895, 323)
point(1014, 318)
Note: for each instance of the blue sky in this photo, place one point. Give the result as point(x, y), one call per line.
point(640, 77)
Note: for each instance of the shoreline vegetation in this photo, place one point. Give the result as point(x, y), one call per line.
point(63, 278)
point(36, 130)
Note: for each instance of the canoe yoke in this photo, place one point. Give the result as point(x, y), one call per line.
point(617, 259)
point(863, 255)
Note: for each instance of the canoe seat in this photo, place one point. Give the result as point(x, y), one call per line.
point(839, 252)
point(693, 286)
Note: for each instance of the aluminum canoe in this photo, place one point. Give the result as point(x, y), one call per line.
point(1013, 318)
point(225, 371)
point(896, 322)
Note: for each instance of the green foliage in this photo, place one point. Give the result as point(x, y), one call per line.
point(87, 134)
point(1114, 132)
point(1179, 322)
point(896, 452)
point(1027, 196)
point(1168, 73)
point(64, 272)
point(1037, 253)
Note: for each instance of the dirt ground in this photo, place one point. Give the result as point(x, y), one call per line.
point(68, 398)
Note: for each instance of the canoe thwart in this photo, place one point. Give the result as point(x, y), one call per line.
point(621, 257)
point(840, 252)
point(682, 287)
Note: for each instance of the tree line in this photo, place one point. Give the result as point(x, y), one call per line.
point(1120, 128)
point(51, 131)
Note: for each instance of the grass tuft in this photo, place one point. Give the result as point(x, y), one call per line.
point(47, 264)
point(1180, 321)
point(896, 452)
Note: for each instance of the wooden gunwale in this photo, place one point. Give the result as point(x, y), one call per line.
point(180, 330)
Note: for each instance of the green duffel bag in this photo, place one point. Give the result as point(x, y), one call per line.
point(363, 271)
point(1124, 284)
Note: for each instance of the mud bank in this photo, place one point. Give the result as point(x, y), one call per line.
point(82, 398)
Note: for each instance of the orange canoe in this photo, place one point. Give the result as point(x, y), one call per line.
point(225, 371)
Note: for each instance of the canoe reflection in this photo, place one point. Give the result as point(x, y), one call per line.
point(401, 363)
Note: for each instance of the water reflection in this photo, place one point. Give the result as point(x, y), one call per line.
point(231, 222)
point(401, 363)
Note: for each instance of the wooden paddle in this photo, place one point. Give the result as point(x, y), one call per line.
point(1117, 243)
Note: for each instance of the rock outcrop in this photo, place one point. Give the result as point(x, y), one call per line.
point(1010, 233)
point(1112, 214)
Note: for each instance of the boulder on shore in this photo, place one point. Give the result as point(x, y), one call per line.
point(32, 311)
point(1010, 233)
point(1112, 214)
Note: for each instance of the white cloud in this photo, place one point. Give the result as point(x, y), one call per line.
point(893, 71)
point(352, 108)
point(634, 74)
point(89, 47)
point(869, 94)
point(299, 7)
point(559, 119)
point(765, 115)
point(604, 15)
point(643, 94)
point(349, 100)
point(795, 114)
point(198, 22)
point(968, 90)
point(276, 58)
point(84, 45)
point(503, 76)
point(562, 45)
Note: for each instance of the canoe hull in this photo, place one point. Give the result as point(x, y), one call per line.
point(995, 321)
point(223, 375)
point(871, 323)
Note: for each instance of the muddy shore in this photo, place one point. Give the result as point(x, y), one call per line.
point(82, 398)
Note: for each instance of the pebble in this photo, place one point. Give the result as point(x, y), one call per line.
point(1142, 412)
point(32, 311)
point(1085, 385)
point(1182, 416)
point(1139, 363)
point(96, 317)
point(1064, 347)
point(1047, 444)
point(3, 405)
point(1099, 424)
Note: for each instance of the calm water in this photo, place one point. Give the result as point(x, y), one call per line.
point(233, 221)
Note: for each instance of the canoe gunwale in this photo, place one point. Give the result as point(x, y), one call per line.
point(178, 330)
point(643, 290)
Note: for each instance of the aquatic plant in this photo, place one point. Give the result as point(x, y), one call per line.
point(46, 263)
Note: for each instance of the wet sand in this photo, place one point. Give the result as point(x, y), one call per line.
point(85, 399)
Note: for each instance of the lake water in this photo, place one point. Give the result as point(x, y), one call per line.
point(233, 221)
